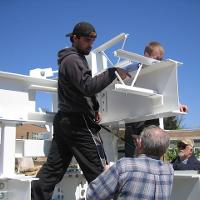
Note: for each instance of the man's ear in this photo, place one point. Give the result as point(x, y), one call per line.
point(139, 142)
point(146, 54)
point(139, 146)
point(75, 37)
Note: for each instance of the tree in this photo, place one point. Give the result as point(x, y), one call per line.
point(173, 123)
point(171, 154)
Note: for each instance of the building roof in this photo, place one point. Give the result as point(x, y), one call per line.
point(22, 130)
point(189, 133)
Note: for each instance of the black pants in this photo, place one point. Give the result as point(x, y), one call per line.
point(73, 136)
point(135, 128)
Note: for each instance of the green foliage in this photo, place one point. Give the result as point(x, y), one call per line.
point(171, 154)
point(197, 152)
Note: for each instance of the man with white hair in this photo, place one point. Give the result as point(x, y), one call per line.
point(142, 177)
point(186, 159)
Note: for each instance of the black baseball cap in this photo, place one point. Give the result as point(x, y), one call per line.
point(83, 29)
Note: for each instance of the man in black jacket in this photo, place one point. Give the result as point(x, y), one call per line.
point(186, 159)
point(76, 123)
point(156, 51)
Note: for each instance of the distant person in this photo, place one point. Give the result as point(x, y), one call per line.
point(156, 51)
point(186, 159)
point(143, 177)
point(76, 129)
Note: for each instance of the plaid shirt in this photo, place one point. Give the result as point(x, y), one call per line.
point(133, 179)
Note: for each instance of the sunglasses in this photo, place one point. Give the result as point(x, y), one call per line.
point(181, 145)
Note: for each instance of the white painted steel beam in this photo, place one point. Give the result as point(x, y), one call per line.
point(7, 150)
point(111, 42)
point(134, 57)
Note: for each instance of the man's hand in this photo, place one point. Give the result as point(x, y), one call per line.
point(97, 117)
point(123, 73)
point(183, 108)
point(106, 167)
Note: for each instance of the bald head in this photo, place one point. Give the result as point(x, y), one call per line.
point(154, 50)
point(155, 141)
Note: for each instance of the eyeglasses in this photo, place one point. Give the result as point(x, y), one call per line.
point(181, 145)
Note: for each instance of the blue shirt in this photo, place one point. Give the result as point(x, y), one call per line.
point(133, 179)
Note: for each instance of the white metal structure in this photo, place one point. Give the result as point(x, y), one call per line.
point(186, 185)
point(151, 93)
point(154, 85)
point(17, 105)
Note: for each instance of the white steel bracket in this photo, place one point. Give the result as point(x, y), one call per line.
point(122, 87)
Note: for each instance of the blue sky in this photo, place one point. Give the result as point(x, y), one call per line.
point(31, 33)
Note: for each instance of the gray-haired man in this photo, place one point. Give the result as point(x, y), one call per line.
point(143, 177)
